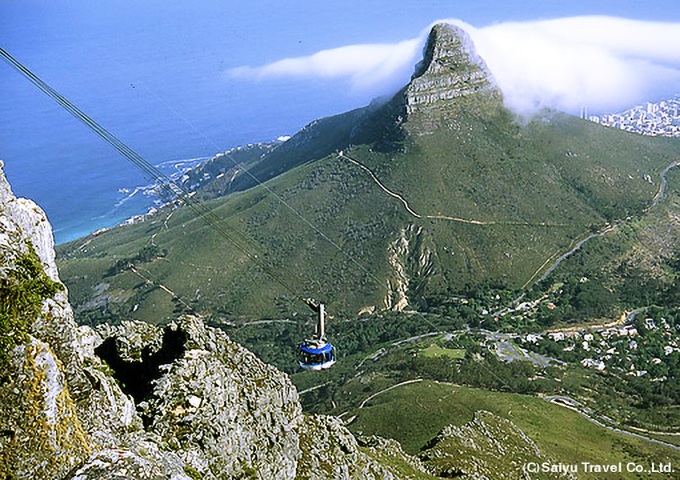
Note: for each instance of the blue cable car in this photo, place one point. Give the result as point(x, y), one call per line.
point(317, 353)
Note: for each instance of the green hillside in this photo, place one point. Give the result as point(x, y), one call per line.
point(415, 413)
point(402, 204)
point(431, 224)
point(535, 190)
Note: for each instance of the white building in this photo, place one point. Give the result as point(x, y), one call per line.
point(592, 363)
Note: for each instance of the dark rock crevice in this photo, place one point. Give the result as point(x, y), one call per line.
point(136, 377)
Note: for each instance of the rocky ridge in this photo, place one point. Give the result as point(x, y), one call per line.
point(488, 447)
point(450, 78)
point(148, 402)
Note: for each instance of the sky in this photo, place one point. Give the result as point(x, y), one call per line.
point(120, 35)
point(600, 62)
point(187, 79)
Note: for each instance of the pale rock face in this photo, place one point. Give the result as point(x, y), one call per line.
point(450, 79)
point(42, 435)
point(397, 288)
point(101, 405)
point(141, 460)
point(63, 367)
point(324, 440)
point(219, 405)
point(31, 222)
point(411, 259)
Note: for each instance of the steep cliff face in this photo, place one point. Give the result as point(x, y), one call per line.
point(450, 79)
point(57, 402)
point(142, 401)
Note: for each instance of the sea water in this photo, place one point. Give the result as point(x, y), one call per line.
point(156, 75)
point(174, 106)
point(173, 121)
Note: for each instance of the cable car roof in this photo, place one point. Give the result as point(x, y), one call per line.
point(316, 349)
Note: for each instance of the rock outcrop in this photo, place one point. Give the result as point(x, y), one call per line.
point(486, 447)
point(412, 258)
point(141, 401)
point(449, 80)
point(208, 399)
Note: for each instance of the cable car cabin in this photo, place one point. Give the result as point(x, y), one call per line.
point(316, 355)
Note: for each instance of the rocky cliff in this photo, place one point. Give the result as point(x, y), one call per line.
point(450, 79)
point(140, 401)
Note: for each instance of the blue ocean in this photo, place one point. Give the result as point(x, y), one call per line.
point(157, 79)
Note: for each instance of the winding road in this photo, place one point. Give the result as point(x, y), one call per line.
point(438, 216)
point(608, 228)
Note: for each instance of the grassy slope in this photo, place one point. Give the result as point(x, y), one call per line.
point(559, 170)
point(644, 241)
point(198, 258)
point(415, 413)
point(565, 172)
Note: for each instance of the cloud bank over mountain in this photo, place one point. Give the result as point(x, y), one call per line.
point(369, 67)
point(603, 63)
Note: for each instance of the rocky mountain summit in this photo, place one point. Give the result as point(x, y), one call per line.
point(451, 78)
point(141, 401)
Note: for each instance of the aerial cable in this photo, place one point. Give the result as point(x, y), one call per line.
point(165, 182)
point(258, 182)
point(177, 191)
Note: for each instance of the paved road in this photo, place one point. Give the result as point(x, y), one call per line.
point(571, 404)
point(607, 229)
point(664, 182)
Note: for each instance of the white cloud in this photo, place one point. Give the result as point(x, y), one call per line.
point(604, 63)
point(368, 67)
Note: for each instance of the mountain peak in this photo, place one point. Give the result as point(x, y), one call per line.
point(444, 43)
point(449, 76)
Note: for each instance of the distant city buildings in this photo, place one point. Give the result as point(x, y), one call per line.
point(654, 119)
point(621, 348)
